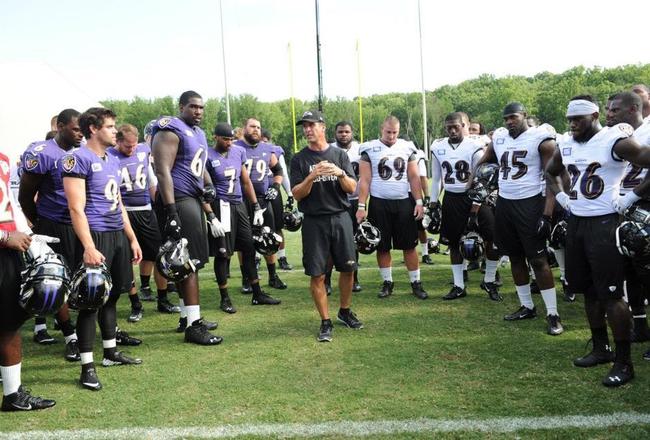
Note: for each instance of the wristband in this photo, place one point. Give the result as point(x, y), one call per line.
point(362, 207)
point(256, 206)
point(418, 202)
point(170, 209)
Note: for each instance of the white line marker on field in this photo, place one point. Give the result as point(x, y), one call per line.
point(345, 428)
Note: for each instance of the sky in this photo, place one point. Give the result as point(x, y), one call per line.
point(119, 49)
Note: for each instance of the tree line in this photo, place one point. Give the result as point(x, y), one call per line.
point(545, 95)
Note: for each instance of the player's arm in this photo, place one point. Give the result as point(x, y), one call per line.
point(29, 185)
point(630, 150)
point(302, 184)
point(276, 169)
point(557, 179)
point(136, 251)
point(365, 176)
point(164, 149)
point(75, 192)
point(153, 182)
point(547, 150)
point(436, 179)
point(20, 239)
point(413, 175)
point(285, 176)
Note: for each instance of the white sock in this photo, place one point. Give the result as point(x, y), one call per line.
point(550, 300)
point(10, 379)
point(457, 270)
point(193, 313)
point(386, 273)
point(414, 275)
point(525, 298)
point(181, 304)
point(465, 263)
point(39, 327)
point(72, 337)
point(109, 343)
point(86, 358)
point(560, 257)
point(425, 249)
point(280, 253)
point(490, 270)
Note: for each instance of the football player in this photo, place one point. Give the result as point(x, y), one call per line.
point(388, 172)
point(104, 234)
point(523, 215)
point(644, 93)
point(585, 175)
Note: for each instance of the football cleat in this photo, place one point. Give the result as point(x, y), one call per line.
point(284, 264)
point(119, 358)
point(522, 312)
point(146, 294)
point(596, 356)
point(276, 282)
point(135, 315)
point(72, 351)
point(620, 374)
point(349, 320)
point(367, 238)
point(246, 288)
point(568, 295)
point(198, 333)
point(418, 291)
point(123, 338)
point(455, 293)
point(89, 379)
point(356, 287)
point(554, 325)
point(164, 306)
point(386, 289)
point(492, 291)
point(182, 325)
point(264, 300)
point(325, 332)
point(226, 305)
point(426, 259)
point(43, 337)
point(22, 400)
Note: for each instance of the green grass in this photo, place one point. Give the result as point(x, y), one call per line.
point(413, 359)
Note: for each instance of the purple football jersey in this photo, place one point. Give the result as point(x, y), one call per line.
point(43, 158)
point(187, 172)
point(257, 164)
point(226, 173)
point(102, 188)
point(134, 175)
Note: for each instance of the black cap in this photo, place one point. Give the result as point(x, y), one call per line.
point(266, 133)
point(514, 107)
point(311, 116)
point(224, 130)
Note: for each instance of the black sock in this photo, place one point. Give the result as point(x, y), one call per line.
point(356, 277)
point(601, 340)
point(223, 292)
point(271, 268)
point(135, 301)
point(623, 352)
point(66, 328)
point(162, 294)
point(344, 311)
point(257, 291)
point(109, 352)
point(144, 281)
point(40, 320)
point(86, 367)
point(326, 321)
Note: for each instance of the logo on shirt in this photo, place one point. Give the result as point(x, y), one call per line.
point(164, 122)
point(216, 163)
point(96, 167)
point(68, 163)
point(500, 141)
point(377, 148)
point(142, 156)
point(31, 162)
point(441, 152)
point(566, 151)
point(189, 133)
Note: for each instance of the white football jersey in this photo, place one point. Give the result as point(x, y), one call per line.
point(455, 162)
point(422, 163)
point(595, 171)
point(520, 165)
point(634, 175)
point(389, 168)
point(354, 156)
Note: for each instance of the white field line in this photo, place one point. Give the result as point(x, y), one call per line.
point(345, 428)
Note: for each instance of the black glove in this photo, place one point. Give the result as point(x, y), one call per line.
point(172, 223)
point(472, 222)
point(544, 227)
point(209, 193)
point(273, 192)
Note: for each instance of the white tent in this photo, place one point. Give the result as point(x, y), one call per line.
point(31, 93)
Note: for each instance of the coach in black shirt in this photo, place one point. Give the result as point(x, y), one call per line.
point(321, 179)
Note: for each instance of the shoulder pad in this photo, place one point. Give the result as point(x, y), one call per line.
point(626, 129)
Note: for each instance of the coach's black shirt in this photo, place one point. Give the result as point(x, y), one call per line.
point(326, 196)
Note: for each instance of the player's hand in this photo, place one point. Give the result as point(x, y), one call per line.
point(92, 257)
point(361, 215)
point(172, 223)
point(418, 212)
point(18, 241)
point(258, 215)
point(215, 226)
point(472, 222)
point(209, 193)
point(136, 252)
point(544, 227)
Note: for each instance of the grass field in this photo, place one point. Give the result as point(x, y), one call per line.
point(428, 361)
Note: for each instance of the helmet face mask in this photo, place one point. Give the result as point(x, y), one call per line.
point(485, 184)
point(471, 246)
point(91, 287)
point(292, 220)
point(45, 285)
point(633, 240)
point(367, 238)
point(266, 241)
point(173, 260)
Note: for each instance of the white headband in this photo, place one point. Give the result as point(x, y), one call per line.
point(581, 107)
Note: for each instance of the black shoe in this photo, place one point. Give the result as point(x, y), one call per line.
point(135, 315)
point(43, 337)
point(418, 291)
point(328, 289)
point(22, 400)
point(182, 325)
point(554, 325)
point(534, 288)
point(89, 379)
point(349, 319)
point(198, 333)
point(264, 300)
point(473, 265)
point(146, 294)
point(246, 288)
point(620, 374)
point(72, 351)
point(386, 289)
point(455, 293)
point(226, 305)
point(123, 338)
point(164, 306)
point(119, 358)
point(492, 291)
point(522, 312)
point(277, 283)
point(595, 357)
point(284, 264)
point(325, 333)
point(568, 295)
point(426, 259)
point(356, 287)
point(171, 287)
point(465, 275)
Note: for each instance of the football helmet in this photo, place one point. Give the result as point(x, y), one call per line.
point(432, 218)
point(558, 235)
point(45, 284)
point(91, 287)
point(292, 219)
point(173, 260)
point(433, 246)
point(633, 239)
point(637, 214)
point(266, 241)
point(367, 238)
point(485, 183)
point(471, 246)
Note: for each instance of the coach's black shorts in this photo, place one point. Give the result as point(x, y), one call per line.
point(269, 216)
point(395, 221)
point(593, 264)
point(67, 247)
point(12, 316)
point(116, 249)
point(278, 210)
point(516, 227)
point(325, 238)
point(147, 231)
point(240, 237)
point(455, 212)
